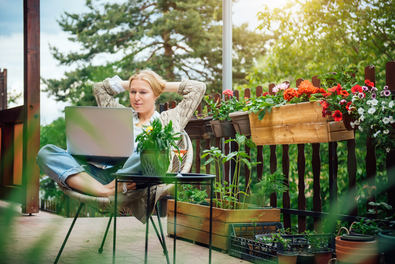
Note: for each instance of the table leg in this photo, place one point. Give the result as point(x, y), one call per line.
point(147, 223)
point(115, 220)
point(175, 223)
point(211, 220)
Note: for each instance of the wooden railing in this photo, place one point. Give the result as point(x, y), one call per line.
point(300, 209)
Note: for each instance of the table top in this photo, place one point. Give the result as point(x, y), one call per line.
point(168, 178)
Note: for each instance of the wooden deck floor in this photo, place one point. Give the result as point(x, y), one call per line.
point(37, 239)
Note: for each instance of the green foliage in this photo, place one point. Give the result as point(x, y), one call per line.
point(176, 39)
point(54, 133)
point(220, 110)
point(312, 37)
point(189, 193)
point(155, 138)
point(228, 195)
point(270, 183)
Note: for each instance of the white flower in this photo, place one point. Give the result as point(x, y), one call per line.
point(357, 122)
point(360, 128)
point(361, 111)
point(386, 120)
point(374, 102)
point(377, 132)
point(362, 118)
point(383, 102)
point(372, 110)
point(391, 119)
point(352, 124)
point(387, 149)
point(386, 131)
point(391, 104)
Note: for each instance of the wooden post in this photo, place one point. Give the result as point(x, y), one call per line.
point(3, 89)
point(371, 170)
point(31, 126)
point(301, 188)
point(259, 158)
point(390, 160)
point(247, 94)
point(332, 171)
point(352, 172)
point(286, 198)
point(316, 166)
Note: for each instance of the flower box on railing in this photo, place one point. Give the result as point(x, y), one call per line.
point(297, 124)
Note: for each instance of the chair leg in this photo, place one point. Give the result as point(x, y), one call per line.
point(160, 236)
point(69, 232)
point(105, 235)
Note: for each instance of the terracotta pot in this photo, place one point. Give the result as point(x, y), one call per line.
point(198, 128)
point(155, 163)
point(358, 252)
point(284, 257)
point(322, 257)
point(223, 128)
point(241, 122)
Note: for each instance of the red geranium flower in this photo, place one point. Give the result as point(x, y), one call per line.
point(265, 93)
point(324, 104)
point(337, 115)
point(290, 93)
point(356, 89)
point(369, 83)
point(344, 93)
point(348, 106)
point(228, 92)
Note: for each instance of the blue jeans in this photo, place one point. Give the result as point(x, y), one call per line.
point(58, 164)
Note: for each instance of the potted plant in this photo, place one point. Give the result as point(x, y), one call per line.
point(319, 246)
point(230, 202)
point(359, 244)
point(221, 123)
point(154, 146)
point(285, 254)
point(199, 127)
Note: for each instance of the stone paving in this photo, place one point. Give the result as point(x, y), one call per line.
point(37, 239)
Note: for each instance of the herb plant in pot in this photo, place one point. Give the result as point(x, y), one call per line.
point(319, 246)
point(154, 146)
point(221, 123)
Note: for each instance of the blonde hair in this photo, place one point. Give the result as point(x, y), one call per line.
point(156, 82)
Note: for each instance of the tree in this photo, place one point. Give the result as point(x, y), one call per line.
point(172, 37)
point(313, 37)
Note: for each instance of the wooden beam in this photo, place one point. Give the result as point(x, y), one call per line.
point(11, 116)
point(31, 127)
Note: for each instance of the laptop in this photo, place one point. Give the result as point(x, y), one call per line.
point(99, 134)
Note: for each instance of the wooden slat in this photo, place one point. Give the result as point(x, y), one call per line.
point(31, 128)
point(7, 155)
point(352, 171)
point(286, 198)
point(332, 171)
point(316, 166)
point(197, 155)
point(371, 170)
point(316, 82)
point(247, 94)
point(273, 168)
point(3, 89)
point(259, 168)
point(301, 187)
point(390, 160)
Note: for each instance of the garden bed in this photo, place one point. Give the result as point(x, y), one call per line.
point(193, 221)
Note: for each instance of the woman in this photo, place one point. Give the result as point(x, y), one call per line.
point(144, 88)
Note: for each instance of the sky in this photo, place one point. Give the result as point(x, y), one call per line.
point(11, 42)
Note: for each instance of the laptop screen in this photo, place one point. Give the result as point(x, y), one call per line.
point(99, 133)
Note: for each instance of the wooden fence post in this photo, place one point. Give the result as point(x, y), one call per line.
point(390, 160)
point(3, 89)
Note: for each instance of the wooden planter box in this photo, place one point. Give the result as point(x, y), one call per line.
point(296, 124)
point(241, 122)
point(193, 221)
point(223, 128)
